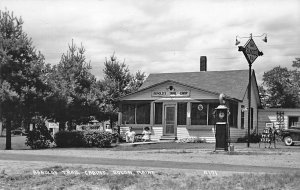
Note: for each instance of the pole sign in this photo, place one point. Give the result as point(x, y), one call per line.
point(250, 51)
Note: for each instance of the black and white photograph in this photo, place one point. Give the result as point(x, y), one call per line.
point(150, 94)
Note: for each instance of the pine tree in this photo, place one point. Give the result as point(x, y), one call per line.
point(22, 69)
point(118, 82)
point(74, 91)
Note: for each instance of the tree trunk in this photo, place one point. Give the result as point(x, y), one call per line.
point(62, 125)
point(1, 128)
point(8, 134)
point(70, 125)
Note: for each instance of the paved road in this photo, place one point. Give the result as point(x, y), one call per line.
point(144, 163)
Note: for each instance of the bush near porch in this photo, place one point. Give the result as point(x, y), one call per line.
point(83, 139)
point(254, 138)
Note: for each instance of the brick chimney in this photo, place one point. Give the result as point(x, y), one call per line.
point(203, 63)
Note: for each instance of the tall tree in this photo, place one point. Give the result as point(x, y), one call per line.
point(22, 70)
point(118, 81)
point(282, 87)
point(296, 63)
point(74, 88)
point(137, 81)
point(296, 74)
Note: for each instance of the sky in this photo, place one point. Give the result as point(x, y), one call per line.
point(163, 36)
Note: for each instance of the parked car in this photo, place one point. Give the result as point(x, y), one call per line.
point(18, 132)
point(291, 135)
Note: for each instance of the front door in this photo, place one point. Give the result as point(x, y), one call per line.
point(169, 128)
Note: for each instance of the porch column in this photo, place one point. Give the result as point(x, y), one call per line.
point(188, 110)
point(152, 113)
point(119, 118)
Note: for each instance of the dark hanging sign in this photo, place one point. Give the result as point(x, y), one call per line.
point(250, 51)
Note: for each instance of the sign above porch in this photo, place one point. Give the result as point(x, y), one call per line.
point(168, 93)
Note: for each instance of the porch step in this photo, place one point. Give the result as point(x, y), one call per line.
point(168, 138)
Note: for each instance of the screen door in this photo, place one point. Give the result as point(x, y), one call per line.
point(169, 120)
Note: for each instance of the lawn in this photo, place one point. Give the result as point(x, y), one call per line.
point(165, 145)
point(60, 177)
point(17, 143)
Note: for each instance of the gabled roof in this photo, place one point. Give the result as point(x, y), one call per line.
point(233, 82)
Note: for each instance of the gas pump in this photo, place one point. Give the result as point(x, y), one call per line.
point(221, 127)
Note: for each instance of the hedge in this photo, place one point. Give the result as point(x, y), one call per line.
point(69, 139)
point(83, 139)
point(254, 138)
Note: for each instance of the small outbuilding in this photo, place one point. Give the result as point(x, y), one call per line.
point(283, 118)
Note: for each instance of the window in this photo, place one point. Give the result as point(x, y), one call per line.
point(158, 113)
point(136, 113)
point(233, 109)
point(128, 111)
point(181, 113)
point(294, 122)
point(211, 111)
point(242, 117)
point(143, 113)
point(199, 114)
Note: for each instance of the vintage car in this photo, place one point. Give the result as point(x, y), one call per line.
point(291, 136)
point(18, 132)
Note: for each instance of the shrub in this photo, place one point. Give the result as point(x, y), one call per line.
point(98, 138)
point(70, 139)
point(254, 138)
point(40, 136)
point(116, 136)
point(83, 139)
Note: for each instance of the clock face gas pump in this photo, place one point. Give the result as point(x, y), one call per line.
point(221, 133)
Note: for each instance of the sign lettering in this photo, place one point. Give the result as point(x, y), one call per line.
point(159, 93)
point(251, 50)
point(170, 93)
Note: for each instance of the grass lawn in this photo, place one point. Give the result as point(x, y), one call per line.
point(166, 145)
point(17, 143)
point(99, 178)
point(60, 176)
